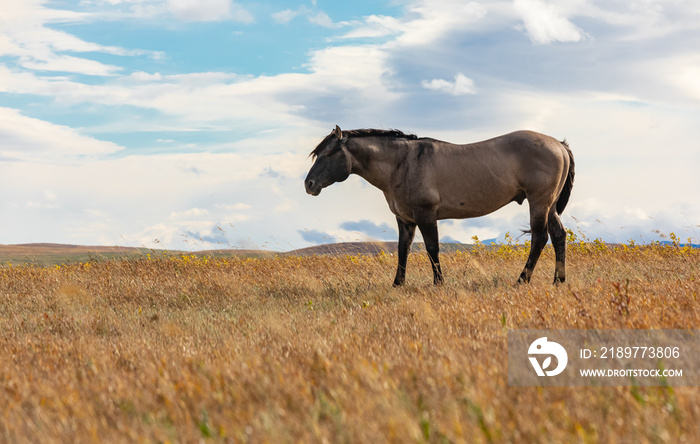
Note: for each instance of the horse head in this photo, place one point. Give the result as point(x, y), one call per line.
point(332, 163)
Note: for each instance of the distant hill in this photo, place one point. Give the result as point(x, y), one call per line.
point(46, 248)
point(343, 248)
point(47, 254)
point(43, 254)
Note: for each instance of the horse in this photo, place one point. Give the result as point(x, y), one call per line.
point(425, 180)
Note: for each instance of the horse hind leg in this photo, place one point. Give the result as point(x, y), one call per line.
point(427, 224)
point(558, 235)
point(538, 228)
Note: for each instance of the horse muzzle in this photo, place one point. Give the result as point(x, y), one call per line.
point(312, 187)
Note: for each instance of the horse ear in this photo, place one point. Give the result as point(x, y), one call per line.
point(338, 132)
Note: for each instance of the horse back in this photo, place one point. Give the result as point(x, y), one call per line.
point(476, 179)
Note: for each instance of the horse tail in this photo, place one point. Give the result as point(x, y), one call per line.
point(569, 184)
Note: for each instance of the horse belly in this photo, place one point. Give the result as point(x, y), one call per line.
point(480, 195)
point(470, 206)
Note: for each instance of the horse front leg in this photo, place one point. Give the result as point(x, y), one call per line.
point(428, 228)
point(406, 233)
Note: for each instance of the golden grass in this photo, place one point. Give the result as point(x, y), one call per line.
point(322, 349)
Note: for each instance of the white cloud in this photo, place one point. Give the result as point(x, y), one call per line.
point(234, 207)
point(46, 202)
point(684, 74)
point(195, 228)
point(375, 26)
point(182, 10)
point(321, 19)
point(70, 64)
point(635, 20)
point(430, 20)
point(354, 74)
point(208, 11)
point(461, 85)
point(286, 16)
point(313, 16)
point(32, 140)
point(359, 67)
point(137, 199)
point(27, 36)
point(545, 23)
point(201, 100)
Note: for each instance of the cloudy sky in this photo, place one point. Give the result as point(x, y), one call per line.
point(187, 123)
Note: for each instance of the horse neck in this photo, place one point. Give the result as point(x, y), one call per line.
point(373, 159)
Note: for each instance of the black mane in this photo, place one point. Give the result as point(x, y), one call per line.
point(368, 132)
point(380, 133)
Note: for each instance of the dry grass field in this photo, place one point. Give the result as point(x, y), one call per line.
point(182, 348)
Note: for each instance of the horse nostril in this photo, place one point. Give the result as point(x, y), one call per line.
point(311, 187)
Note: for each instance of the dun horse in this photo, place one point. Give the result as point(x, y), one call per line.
point(425, 180)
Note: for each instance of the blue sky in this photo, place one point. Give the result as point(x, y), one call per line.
point(187, 123)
